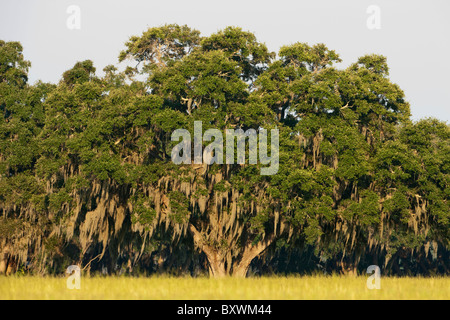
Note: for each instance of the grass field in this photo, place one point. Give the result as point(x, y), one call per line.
point(271, 288)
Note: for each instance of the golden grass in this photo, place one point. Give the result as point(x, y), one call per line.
point(267, 288)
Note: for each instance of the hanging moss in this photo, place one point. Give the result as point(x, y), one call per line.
point(86, 175)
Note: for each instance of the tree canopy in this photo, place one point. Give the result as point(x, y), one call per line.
point(86, 175)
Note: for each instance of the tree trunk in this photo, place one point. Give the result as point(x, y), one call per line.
point(251, 251)
point(11, 266)
point(3, 265)
point(348, 268)
point(216, 258)
point(240, 270)
point(4, 260)
point(216, 266)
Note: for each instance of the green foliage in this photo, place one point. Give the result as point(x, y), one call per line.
point(13, 67)
point(80, 73)
point(161, 45)
point(143, 212)
point(242, 47)
point(9, 227)
point(179, 206)
point(357, 179)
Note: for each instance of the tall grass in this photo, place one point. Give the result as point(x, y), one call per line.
point(179, 288)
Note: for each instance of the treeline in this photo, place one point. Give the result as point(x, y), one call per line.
point(86, 175)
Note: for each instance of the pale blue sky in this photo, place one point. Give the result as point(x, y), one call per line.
point(414, 34)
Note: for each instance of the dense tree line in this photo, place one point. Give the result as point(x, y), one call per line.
point(86, 175)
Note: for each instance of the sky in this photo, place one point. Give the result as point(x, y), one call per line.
point(412, 34)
